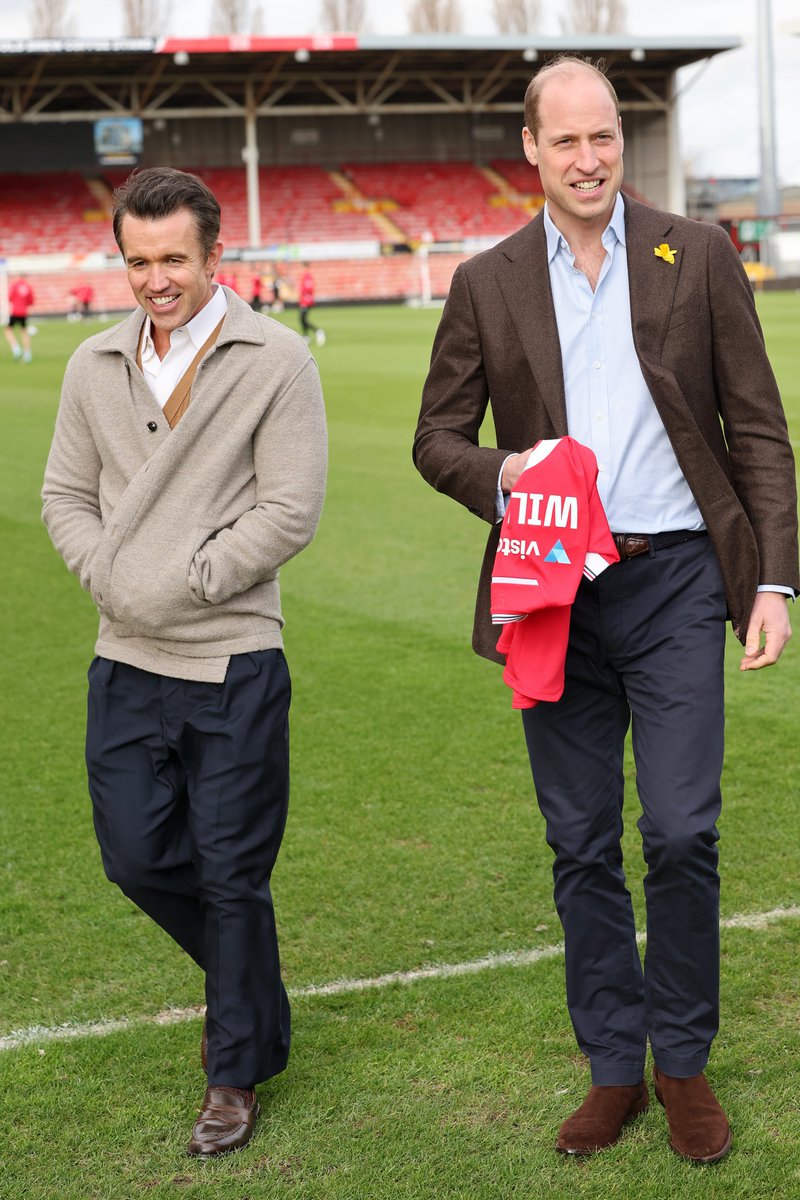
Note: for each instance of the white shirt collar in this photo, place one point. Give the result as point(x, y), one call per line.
point(198, 329)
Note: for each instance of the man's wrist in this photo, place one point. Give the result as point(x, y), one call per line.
point(500, 502)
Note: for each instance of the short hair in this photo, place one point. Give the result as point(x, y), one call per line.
point(562, 63)
point(157, 192)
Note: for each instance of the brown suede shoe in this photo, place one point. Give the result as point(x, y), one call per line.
point(204, 1046)
point(600, 1119)
point(698, 1127)
point(226, 1121)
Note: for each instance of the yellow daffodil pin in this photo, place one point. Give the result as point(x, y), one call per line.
point(663, 251)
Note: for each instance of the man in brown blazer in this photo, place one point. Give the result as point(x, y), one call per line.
point(634, 331)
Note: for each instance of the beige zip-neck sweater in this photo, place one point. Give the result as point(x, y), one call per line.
point(179, 534)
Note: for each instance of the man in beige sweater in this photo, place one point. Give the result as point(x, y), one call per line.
point(188, 464)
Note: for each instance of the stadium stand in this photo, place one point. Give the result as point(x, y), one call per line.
point(68, 214)
point(52, 213)
point(298, 204)
point(449, 200)
point(519, 175)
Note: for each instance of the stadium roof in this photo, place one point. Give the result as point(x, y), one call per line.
point(83, 79)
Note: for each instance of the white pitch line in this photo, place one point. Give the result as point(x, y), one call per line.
point(39, 1034)
point(511, 958)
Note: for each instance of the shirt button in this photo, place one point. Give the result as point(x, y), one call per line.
point(597, 365)
point(151, 425)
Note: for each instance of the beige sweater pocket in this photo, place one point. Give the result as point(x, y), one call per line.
point(148, 586)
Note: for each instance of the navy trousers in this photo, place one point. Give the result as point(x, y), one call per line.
point(646, 648)
point(190, 786)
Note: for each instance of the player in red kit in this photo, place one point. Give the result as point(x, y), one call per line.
point(81, 301)
point(305, 301)
point(20, 299)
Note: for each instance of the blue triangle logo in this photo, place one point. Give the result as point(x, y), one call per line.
point(558, 554)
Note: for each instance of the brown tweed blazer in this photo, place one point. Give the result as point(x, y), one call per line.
point(702, 354)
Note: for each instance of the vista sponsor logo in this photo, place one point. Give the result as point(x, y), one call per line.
point(520, 549)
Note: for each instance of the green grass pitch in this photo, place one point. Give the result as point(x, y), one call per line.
point(413, 839)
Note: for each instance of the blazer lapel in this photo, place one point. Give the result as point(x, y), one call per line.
point(524, 280)
point(652, 279)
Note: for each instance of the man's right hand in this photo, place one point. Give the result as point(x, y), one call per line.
point(512, 469)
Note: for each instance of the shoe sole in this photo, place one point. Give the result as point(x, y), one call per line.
point(204, 1157)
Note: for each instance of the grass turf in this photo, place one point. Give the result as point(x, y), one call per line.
point(412, 839)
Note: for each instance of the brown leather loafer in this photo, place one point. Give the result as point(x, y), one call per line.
point(698, 1128)
point(226, 1121)
point(600, 1119)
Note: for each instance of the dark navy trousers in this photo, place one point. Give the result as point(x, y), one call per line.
point(646, 649)
point(190, 786)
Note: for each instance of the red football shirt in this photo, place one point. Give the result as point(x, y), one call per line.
point(20, 298)
point(554, 533)
point(307, 290)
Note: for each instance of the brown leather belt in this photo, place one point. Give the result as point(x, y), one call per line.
point(631, 544)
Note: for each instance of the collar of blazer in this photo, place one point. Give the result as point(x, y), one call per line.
point(241, 324)
point(651, 280)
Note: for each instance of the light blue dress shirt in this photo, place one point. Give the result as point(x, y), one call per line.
point(609, 406)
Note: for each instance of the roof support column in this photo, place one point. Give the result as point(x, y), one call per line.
point(676, 183)
point(769, 196)
point(250, 156)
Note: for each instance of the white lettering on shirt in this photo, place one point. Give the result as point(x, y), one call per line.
point(561, 511)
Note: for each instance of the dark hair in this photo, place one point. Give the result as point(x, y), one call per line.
point(561, 63)
point(157, 192)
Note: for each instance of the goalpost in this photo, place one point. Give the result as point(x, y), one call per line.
point(424, 274)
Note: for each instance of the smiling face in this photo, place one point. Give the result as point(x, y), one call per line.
point(168, 271)
point(578, 150)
